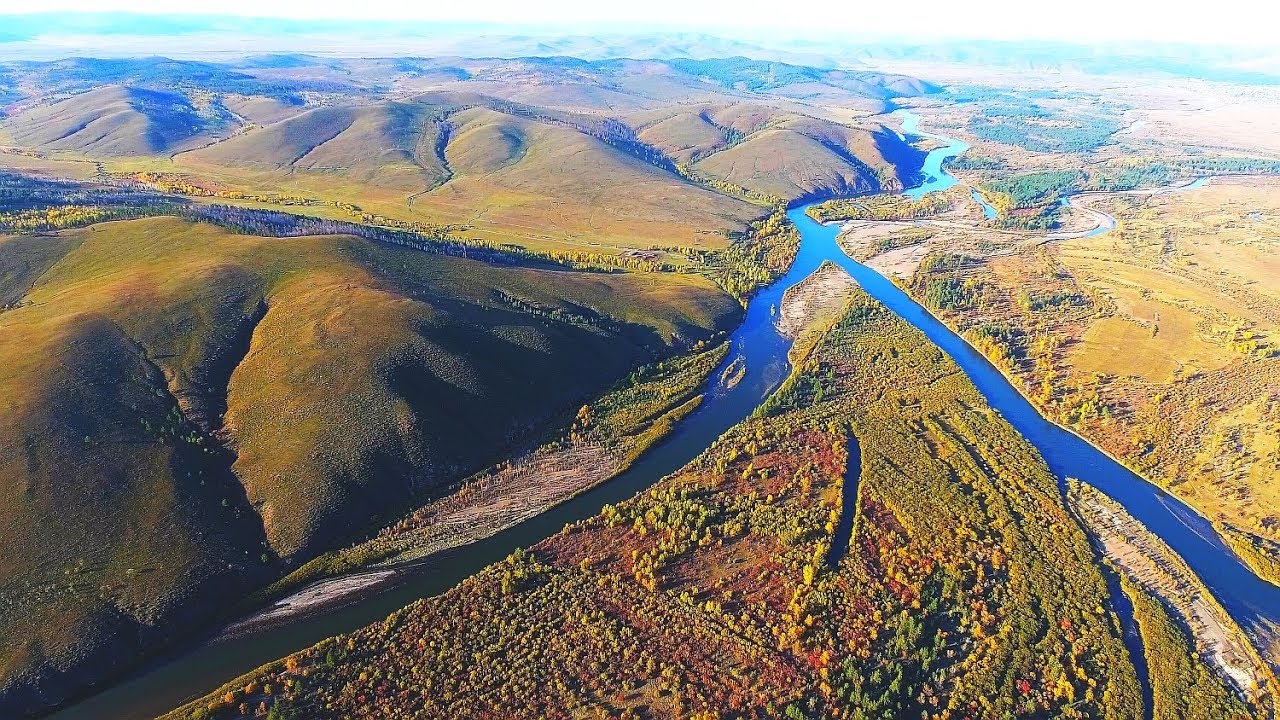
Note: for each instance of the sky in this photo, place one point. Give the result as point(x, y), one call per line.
point(1229, 22)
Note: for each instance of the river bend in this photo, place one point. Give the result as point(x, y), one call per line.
point(199, 668)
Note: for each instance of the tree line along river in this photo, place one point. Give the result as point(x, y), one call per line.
point(200, 667)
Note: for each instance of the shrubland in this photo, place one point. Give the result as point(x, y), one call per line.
point(885, 547)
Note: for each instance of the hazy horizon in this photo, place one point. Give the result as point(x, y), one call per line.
point(1232, 23)
point(134, 30)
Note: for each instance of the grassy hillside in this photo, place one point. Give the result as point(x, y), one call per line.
point(119, 517)
point(623, 85)
point(804, 158)
point(392, 145)
point(615, 85)
point(545, 181)
point(115, 121)
point(188, 413)
point(554, 154)
point(789, 165)
point(876, 543)
point(78, 74)
point(686, 136)
point(775, 151)
point(261, 110)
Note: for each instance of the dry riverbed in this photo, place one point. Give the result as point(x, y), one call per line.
point(815, 299)
point(322, 594)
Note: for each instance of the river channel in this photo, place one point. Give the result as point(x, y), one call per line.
point(200, 667)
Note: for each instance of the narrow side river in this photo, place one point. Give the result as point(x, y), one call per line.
point(200, 667)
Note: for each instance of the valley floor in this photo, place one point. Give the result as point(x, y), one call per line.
point(714, 590)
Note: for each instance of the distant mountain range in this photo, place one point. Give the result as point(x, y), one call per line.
point(43, 36)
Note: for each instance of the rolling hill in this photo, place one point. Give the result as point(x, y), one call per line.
point(391, 145)
point(548, 179)
point(553, 153)
point(779, 152)
point(177, 417)
point(789, 165)
point(117, 121)
point(685, 135)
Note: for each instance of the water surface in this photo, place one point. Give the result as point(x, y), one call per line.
point(988, 211)
point(934, 177)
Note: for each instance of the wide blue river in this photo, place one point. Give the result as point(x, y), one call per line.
point(204, 664)
point(1247, 597)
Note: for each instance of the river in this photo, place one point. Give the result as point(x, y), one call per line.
point(200, 667)
point(935, 178)
point(1248, 598)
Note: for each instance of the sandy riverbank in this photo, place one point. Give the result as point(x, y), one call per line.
point(314, 597)
point(1148, 561)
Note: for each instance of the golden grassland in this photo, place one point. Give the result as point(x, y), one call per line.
point(1158, 341)
point(1227, 123)
point(602, 201)
point(515, 179)
point(960, 585)
point(544, 179)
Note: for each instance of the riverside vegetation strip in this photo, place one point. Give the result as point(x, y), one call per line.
point(723, 565)
point(1155, 340)
point(1162, 587)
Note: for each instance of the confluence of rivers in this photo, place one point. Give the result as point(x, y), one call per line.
point(199, 668)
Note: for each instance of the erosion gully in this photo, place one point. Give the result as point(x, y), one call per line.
point(200, 667)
